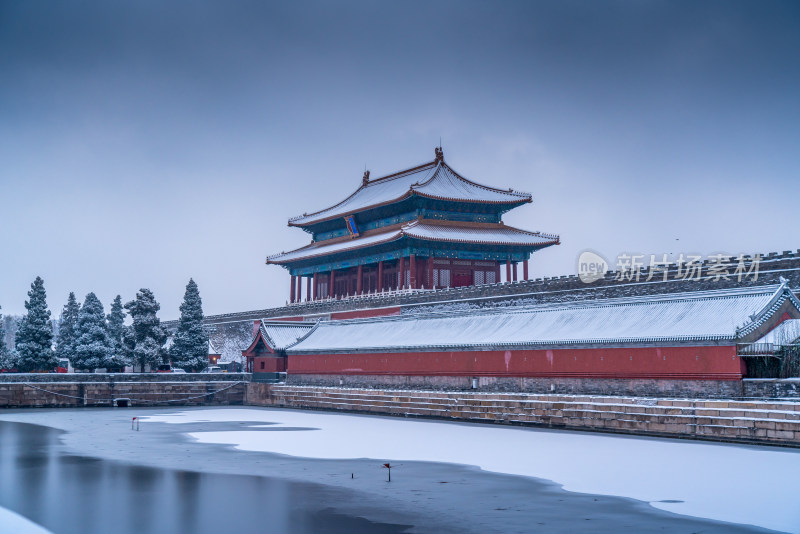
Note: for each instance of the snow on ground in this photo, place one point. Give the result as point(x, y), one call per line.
point(13, 523)
point(735, 483)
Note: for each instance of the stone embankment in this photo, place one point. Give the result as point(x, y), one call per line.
point(758, 421)
point(77, 390)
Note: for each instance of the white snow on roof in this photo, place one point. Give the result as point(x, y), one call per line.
point(326, 247)
point(435, 180)
point(708, 315)
point(281, 334)
point(430, 230)
point(786, 333)
point(499, 234)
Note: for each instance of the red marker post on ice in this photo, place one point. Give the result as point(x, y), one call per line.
point(388, 467)
point(135, 421)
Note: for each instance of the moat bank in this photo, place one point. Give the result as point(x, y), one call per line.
point(773, 421)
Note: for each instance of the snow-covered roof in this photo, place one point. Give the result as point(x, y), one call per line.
point(786, 333)
point(704, 316)
point(281, 334)
point(211, 348)
point(496, 234)
point(428, 230)
point(433, 180)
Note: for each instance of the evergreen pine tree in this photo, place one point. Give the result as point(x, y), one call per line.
point(190, 343)
point(92, 344)
point(145, 337)
point(116, 331)
point(35, 334)
point(65, 341)
point(5, 354)
point(2, 335)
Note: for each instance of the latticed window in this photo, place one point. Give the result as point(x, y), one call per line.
point(479, 277)
point(441, 277)
point(491, 277)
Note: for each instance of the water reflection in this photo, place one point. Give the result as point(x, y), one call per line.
point(72, 494)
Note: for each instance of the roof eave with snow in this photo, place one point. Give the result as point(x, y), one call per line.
point(434, 180)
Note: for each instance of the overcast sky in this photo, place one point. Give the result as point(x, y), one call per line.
point(144, 143)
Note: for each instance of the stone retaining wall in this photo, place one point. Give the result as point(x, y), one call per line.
point(79, 392)
point(762, 422)
point(771, 388)
point(571, 386)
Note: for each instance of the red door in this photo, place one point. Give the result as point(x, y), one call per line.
point(462, 278)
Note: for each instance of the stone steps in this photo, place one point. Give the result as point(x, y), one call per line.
point(762, 422)
point(516, 397)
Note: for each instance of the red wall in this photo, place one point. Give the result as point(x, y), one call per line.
point(363, 314)
point(271, 364)
point(712, 363)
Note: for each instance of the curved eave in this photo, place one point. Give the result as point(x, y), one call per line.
point(271, 260)
point(260, 336)
point(408, 194)
point(293, 220)
point(524, 198)
point(761, 317)
point(553, 240)
point(404, 233)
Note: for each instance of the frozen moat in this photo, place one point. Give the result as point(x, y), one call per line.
point(240, 466)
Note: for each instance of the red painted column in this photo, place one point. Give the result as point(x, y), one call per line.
point(514, 268)
point(314, 286)
point(401, 273)
point(430, 272)
point(331, 287)
point(412, 279)
point(291, 291)
point(299, 289)
point(380, 276)
point(308, 288)
point(497, 272)
point(359, 281)
point(525, 270)
point(508, 271)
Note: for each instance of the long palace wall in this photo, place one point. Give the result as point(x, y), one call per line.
point(773, 266)
point(689, 363)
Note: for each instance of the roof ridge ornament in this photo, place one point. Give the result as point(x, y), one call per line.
point(365, 179)
point(439, 153)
